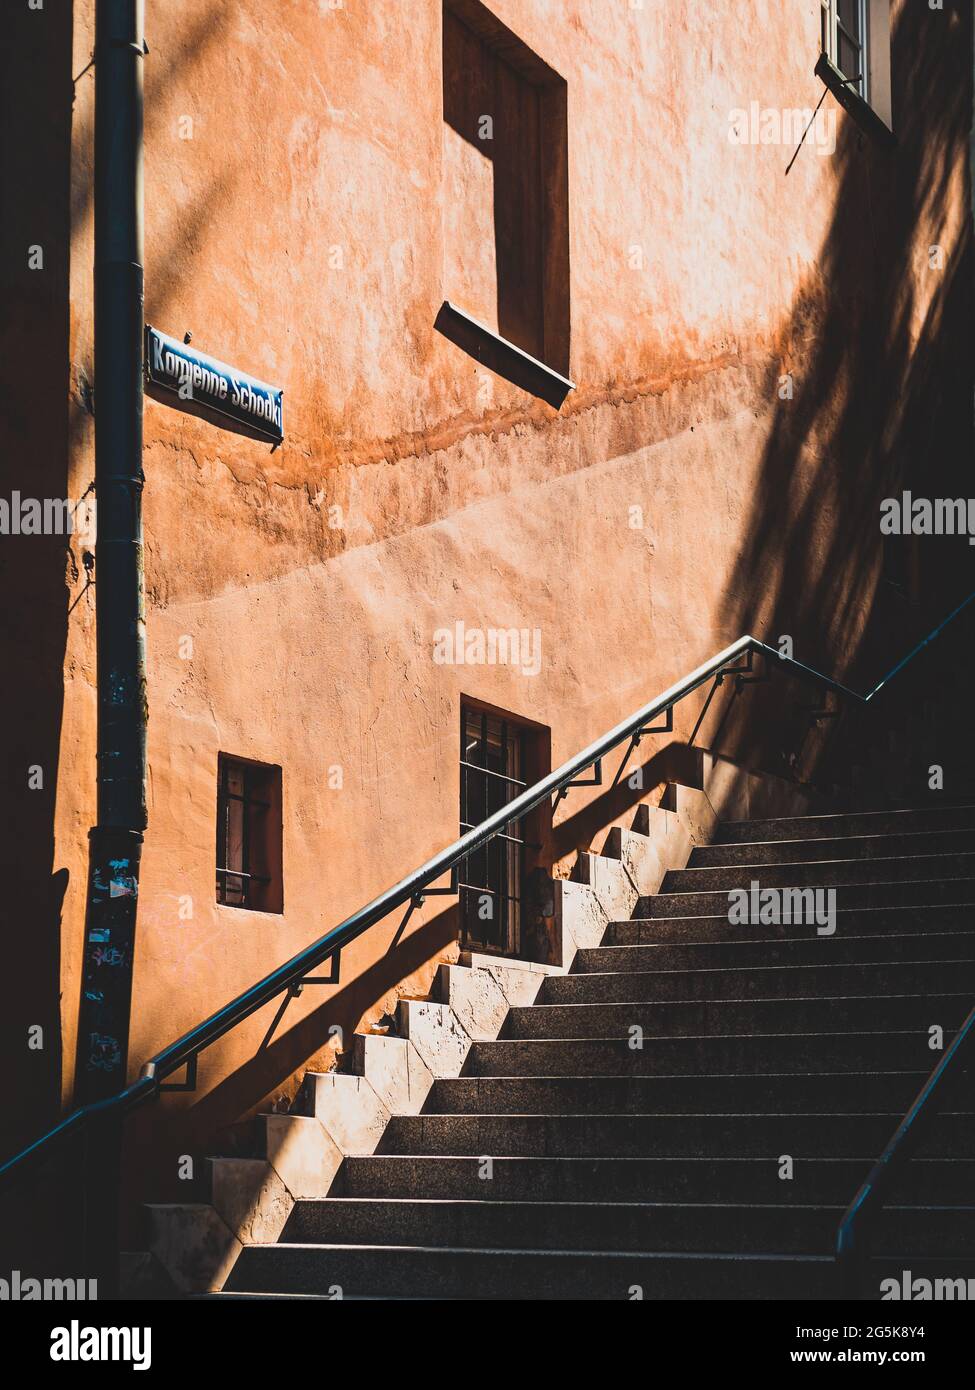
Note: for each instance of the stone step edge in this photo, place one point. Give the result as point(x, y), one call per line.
point(495, 1204)
point(819, 817)
point(766, 941)
point(907, 964)
point(855, 837)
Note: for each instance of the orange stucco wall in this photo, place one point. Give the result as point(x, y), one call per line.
point(298, 233)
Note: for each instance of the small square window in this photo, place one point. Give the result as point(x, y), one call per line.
point(249, 831)
point(855, 61)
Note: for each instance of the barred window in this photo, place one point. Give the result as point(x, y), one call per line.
point(249, 832)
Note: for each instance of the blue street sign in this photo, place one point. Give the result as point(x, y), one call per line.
point(189, 380)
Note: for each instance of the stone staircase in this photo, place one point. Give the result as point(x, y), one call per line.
point(630, 1132)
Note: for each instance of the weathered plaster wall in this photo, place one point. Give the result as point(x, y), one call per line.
point(298, 234)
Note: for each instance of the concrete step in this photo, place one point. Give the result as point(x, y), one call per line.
point(916, 892)
point(730, 1016)
point(695, 1178)
point(847, 1050)
point(788, 1227)
point(444, 1273)
point(841, 1092)
point(815, 951)
point(670, 1136)
point(850, 847)
point(910, 822)
point(763, 982)
point(834, 873)
point(644, 929)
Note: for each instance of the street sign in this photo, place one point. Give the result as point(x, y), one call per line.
point(178, 375)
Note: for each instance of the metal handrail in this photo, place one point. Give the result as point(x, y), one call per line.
point(853, 1237)
point(410, 889)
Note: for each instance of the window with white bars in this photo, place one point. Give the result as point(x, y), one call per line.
point(855, 39)
point(845, 37)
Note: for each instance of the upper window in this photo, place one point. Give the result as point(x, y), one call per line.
point(506, 236)
point(845, 30)
point(856, 61)
point(249, 835)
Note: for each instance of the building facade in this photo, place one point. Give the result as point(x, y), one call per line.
point(600, 345)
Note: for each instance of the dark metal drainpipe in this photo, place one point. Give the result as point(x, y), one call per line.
point(115, 842)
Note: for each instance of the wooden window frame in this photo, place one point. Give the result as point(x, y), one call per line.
point(254, 881)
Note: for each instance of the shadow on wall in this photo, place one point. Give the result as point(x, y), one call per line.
point(880, 347)
point(37, 410)
point(46, 427)
point(36, 406)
